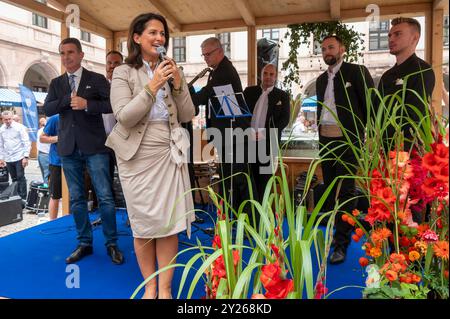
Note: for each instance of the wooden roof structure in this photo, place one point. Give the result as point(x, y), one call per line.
point(111, 18)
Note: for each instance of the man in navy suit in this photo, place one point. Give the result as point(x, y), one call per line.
point(341, 91)
point(271, 110)
point(80, 97)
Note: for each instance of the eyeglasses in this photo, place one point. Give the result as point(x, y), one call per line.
point(208, 54)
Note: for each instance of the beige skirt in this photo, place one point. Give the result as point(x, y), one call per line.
point(155, 188)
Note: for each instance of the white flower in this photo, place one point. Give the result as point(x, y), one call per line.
point(399, 82)
point(348, 84)
point(373, 276)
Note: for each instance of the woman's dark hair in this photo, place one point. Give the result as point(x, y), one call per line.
point(138, 26)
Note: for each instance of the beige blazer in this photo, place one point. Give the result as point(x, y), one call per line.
point(131, 105)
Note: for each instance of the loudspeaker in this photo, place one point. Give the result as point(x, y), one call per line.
point(267, 52)
point(11, 210)
point(4, 177)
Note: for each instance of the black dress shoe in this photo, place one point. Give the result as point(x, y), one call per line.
point(116, 254)
point(79, 253)
point(338, 255)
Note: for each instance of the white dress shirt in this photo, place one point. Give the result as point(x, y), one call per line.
point(14, 142)
point(327, 117)
point(159, 110)
point(260, 112)
point(42, 147)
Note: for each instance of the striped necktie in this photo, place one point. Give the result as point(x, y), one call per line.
point(72, 82)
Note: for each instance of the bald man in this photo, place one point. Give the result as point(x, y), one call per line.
point(270, 108)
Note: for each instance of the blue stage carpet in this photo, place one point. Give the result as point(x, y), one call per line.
point(32, 264)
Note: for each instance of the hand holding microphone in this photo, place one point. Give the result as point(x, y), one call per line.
point(175, 78)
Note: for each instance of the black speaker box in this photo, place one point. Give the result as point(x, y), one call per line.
point(11, 210)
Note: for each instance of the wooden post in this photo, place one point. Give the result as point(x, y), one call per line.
point(65, 33)
point(428, 35)
point(437, 52)
point(251, 55)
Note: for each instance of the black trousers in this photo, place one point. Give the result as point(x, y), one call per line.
point(332, 169)
point(17, 173)
point(241, 189)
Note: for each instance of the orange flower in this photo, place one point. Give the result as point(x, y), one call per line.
point(422, 246)
point(363, 261)
point(391, 275)
point(446, 274)
point(359, 232)
point(397, 258)
point(413, 255)
point(375, 252)
point(355, 212)
point(351, 221)
point(415, 278)
point(441, 249)
point(356, 238)
point(344, 217)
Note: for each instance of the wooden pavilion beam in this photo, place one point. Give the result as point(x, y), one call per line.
point(437, 52)
point(42, 9)
point(335, 9)
point(245, 11)
point(171, 20)
point(251, 55)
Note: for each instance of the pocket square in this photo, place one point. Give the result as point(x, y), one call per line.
point(399, 82)
point(279, 103)
point(348, 84)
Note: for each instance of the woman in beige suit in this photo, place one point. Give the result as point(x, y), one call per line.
point(151, 148)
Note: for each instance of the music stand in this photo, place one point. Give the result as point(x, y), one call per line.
point(227, 106)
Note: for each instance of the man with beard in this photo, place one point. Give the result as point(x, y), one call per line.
point(341, 92)
point(403, 38)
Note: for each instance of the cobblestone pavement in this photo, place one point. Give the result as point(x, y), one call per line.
point(30, 219)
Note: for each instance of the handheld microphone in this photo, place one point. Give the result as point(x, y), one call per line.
point(162, 52)
point(162, 55)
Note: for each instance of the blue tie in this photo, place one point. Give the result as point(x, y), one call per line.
point(72, 82)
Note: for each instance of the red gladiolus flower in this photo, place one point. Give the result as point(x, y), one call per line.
point(276, 251)
point(441, 173)
point(280, 289)
point(363, 261)
point(216, 242)
point(441, 153)
point(320, 290)
point(429, 161)
point(270, 274)
point(435, 188)
point(356, 238)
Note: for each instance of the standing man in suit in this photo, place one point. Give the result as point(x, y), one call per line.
point(223, 73)
point(332, 87)
point(80, 97)
point(271, 110)
point(403, 38)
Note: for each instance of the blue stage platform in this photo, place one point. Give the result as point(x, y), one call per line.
point(32, 265)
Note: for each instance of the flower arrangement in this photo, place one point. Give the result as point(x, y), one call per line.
point(407, 258)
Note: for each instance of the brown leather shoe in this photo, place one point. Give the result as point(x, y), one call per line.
point(79, 253)
point(115, 254)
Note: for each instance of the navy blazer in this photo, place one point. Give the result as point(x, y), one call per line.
point(83, 128)
point(350, 88)
point(278, 111)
